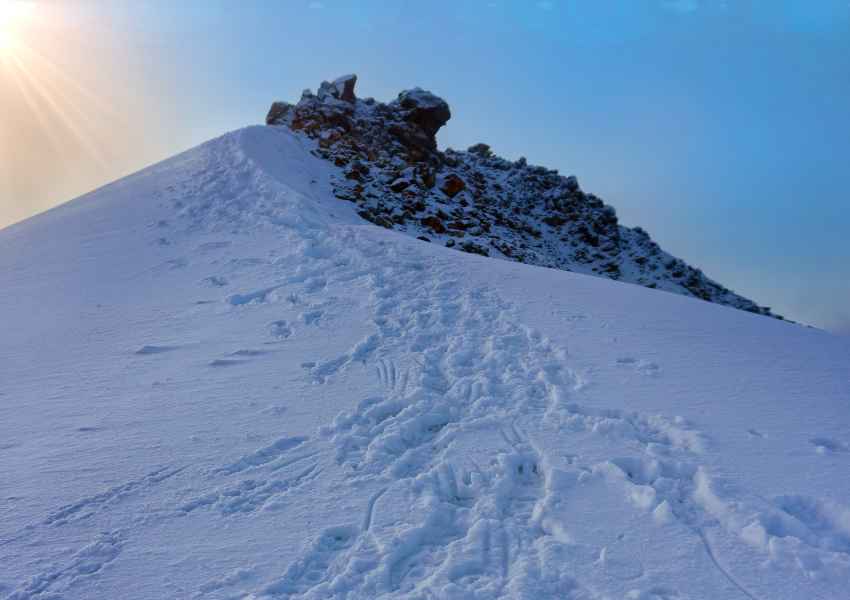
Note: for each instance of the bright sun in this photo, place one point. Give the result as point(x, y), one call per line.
point(13, 14)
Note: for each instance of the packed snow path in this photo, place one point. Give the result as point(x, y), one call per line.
point(276, 401)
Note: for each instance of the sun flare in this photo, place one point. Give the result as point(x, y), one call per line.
point(13, 17)
point(47, 95)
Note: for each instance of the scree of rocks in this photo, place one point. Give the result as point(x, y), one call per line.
point(473, 200)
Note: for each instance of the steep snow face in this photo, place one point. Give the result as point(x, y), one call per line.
point(217, 381)
point(476, 201)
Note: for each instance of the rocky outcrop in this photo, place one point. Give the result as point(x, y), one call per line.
point(277, 112)
point(341, 88)
point(426, 110)
point(390, 166)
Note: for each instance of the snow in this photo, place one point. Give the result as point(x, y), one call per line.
point(216, 381)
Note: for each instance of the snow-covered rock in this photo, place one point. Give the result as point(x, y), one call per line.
point(483, 204)
point(425, 109)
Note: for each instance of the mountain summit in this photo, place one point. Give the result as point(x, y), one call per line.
point(390, 166)
point(218, 382)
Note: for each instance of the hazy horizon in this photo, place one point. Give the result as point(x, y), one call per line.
point(720, 127)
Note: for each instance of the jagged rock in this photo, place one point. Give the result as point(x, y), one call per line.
point(277, 112)
point(473, 248)
point(433, 223)
point(345, 87)
point(427, 177)
point(425, 109)
point(452, 186)
point(341, 88)
point(390, 167)
point(399, 185)
point(481, 150)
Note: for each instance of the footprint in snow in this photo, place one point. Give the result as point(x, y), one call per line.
point(249, 353)
point(619, 564)
point(212, 246)
point(215, 281)
point(238, 357)
point(821, 523)
point(306, 573)
point(645, 367)
point(280, 329)
point(312, 317)
point(263, 296)
point(150, 349)
point(176, 263)
point(825, 445)
point(654, 593)
point(226, 362)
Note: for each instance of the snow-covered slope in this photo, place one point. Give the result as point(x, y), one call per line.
point(216, 381)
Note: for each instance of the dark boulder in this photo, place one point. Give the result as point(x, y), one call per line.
point(433, 223)
point(341, 88)
point(453, 185)
point(571, 183)
point(481, 150)
point(345, 87)
point(277, 113)
point(425, 109)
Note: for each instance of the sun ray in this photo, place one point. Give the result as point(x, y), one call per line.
point(13, 13)
point(86, 119)
point(35, 108)
point(56, 72)
point(58, 112)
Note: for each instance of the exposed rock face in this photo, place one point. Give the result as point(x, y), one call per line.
point(277, 112)
point(425, 109)
point(474, 200)
point(345, 87)
point(341, 88)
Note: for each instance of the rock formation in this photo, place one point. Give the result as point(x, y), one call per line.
point(390, 166)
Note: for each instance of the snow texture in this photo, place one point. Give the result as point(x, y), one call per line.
point(217, 381)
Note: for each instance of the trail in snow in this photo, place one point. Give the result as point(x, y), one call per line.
point(479, 469)
point(471, 372)
point(485, 523)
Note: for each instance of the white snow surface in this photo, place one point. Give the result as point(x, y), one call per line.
point(216, 381)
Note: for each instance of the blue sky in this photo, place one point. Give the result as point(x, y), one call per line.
point(722, 127)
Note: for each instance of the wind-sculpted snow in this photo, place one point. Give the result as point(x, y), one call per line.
point(395, 420)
